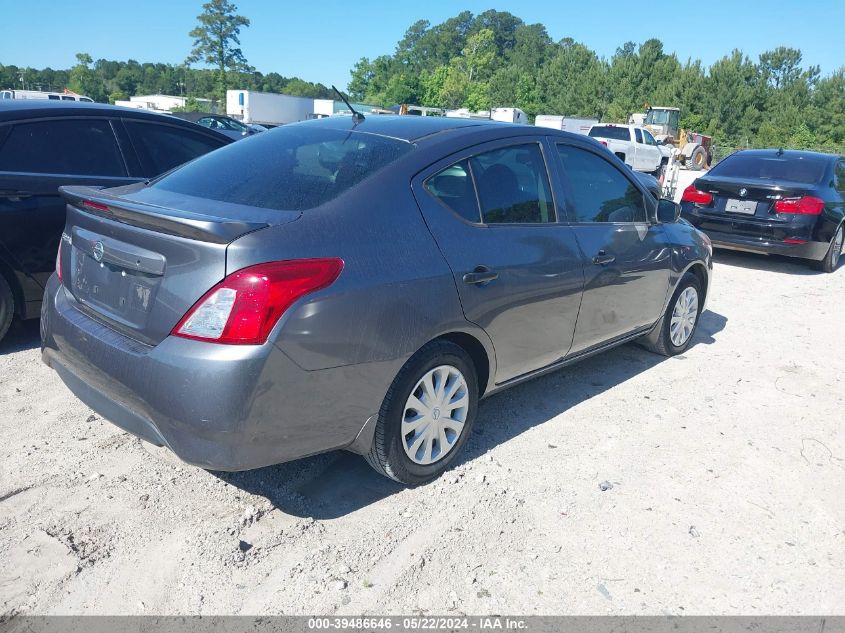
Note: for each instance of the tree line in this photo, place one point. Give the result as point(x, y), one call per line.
point(106, 81)
point(494, 59)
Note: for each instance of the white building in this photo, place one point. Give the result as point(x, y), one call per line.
point(160, 103)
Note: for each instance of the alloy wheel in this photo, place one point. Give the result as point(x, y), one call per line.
point(434, 415)
point(684, 316)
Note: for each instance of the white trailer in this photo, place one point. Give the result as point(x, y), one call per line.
point(268, 108)
point(39, 94)
point(574, 124)
point(505, 115)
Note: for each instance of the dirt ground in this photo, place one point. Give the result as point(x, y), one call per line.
point(726, 466)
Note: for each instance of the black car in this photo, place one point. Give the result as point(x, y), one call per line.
point(46, 144)
point(225, 125)
point(773, 202)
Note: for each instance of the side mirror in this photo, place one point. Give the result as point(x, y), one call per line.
point(668, 211)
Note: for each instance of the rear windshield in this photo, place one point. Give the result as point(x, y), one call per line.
point(803, 169)
point(291, 168)
point(607, 131)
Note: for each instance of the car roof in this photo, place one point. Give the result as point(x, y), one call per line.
point(405, 128)
point(786, 153)
point(17, 109)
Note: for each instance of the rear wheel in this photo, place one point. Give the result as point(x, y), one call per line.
point(834, 252)
point(677, 328)
point(7, 306)
point(426, 415)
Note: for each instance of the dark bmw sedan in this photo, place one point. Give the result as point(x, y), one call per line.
point(773, 202)
point(45, 144)
point(360, 285)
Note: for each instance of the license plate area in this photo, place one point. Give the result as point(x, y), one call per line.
point(743, 207)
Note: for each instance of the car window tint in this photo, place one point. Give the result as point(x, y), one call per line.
point(610, 131)
point(600, 191)
point(773, 166)
point(513, 186)
point(163, 147)
point(838, 176)
point(84, 147)
point(291, 168)
point(639, 135)
point(206, 122)
point(453, 187)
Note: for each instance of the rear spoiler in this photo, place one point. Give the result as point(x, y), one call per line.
point(206, 228)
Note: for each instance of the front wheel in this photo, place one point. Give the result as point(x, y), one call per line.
point(426, 415)
point(674, 334)
point(834, 252)
point(698, 160)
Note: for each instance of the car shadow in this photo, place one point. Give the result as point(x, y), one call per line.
point(766, 263)
point(335, 484)
point(22, 335)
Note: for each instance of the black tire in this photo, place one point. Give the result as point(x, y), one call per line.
point(698, 160)
point(387, 454)
point(7, 306)
point(659, 340)
point(830, 262)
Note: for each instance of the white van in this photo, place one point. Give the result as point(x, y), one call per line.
point(38, 94)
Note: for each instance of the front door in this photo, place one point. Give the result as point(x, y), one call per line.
point(626, 256)
point(517, 270)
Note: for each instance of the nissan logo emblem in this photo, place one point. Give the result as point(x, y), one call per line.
point(743, 192)
point(99, 251)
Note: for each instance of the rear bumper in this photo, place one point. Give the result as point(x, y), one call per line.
point(758, 237)
point(220, 407)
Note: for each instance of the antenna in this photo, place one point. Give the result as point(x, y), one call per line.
point(356, 116)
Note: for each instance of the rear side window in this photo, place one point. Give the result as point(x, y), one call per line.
point(163, 147)
point(293, 168)
point(840, 176)
point(513, 186)
point(453, 187)
point(82, 147)
point(601, 192)
point(803, 169)
point(639, 135)
point(609, 131)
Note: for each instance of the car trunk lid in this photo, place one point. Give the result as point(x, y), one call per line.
point(138, 265)
point(745, 207)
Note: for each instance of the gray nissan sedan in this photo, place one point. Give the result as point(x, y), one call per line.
point(360, 284)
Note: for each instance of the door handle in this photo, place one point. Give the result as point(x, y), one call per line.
point(481, 275)
point(13, 193)
point(603, 259)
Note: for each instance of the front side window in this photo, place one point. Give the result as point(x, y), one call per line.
point(840, 176)
point(600, 192)
point(83, 147)
point(513, 185)
point(649, 139)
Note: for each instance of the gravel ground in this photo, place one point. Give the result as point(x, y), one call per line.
point(629, 484)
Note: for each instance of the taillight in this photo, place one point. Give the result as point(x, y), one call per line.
point(808, 205)
point(603, 143)
point(244, 307)
point(95, 206)
point(59, 260)
point(691, 194)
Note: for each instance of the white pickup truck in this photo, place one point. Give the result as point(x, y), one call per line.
point(634, 145)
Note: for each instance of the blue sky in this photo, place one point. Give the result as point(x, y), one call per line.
point(320, 41)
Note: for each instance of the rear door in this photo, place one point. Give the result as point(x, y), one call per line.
point(36, 157)
point(626, 257)
point(517, 270)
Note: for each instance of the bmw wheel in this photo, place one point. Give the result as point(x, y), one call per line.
point(426, 415)
point(834, 253)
